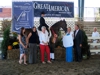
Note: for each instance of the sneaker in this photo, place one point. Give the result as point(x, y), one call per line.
point(43, 62)
point(49, 62)
point(25, 63)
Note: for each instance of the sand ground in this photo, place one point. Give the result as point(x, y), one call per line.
point(58, 67)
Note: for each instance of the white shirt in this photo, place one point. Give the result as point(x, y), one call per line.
point(43, 37)
point(95, 34)
point(39, 32)
point(76, 32)
point(68, 40)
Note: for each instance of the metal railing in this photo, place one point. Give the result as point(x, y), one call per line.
point(90, 13)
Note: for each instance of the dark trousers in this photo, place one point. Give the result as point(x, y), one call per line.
point(52, 47)
point(32, 53)
point(78, 54)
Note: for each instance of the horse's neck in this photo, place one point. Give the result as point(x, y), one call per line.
point(55, 29)
point(53, 39)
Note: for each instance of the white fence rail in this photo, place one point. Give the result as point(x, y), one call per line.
point(94, 44)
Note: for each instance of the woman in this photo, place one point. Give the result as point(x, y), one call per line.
point(68, 43)
point(22, 45)
point(32, 40)
point(42, 22)
point(44, 39)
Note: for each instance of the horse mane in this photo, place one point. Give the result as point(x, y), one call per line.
point(56, 23)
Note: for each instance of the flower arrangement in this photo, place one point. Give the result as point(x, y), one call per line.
point(14, 40)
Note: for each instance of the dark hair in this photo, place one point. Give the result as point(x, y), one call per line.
point(21, 32)
point(35, 28)
point(42, 12)
point(77, 25)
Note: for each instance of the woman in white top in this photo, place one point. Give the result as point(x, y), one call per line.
point(68, 44)
point(95, 34)
point(44, 40)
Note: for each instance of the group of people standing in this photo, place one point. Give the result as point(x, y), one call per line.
point(76, 39)
point(25, 42)
point(30, 42)
point(32, 39)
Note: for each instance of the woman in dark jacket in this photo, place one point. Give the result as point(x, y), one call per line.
point(32, 41)
point(43, 23)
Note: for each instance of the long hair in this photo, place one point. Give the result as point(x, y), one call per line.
point(21, 32)
point(35, 28)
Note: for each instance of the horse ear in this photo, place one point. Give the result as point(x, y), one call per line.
point(60, 20)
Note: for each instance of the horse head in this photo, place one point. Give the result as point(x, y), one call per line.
point(64, 25)
point(56, 27)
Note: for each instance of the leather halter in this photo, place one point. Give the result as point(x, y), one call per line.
point(52, 30)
